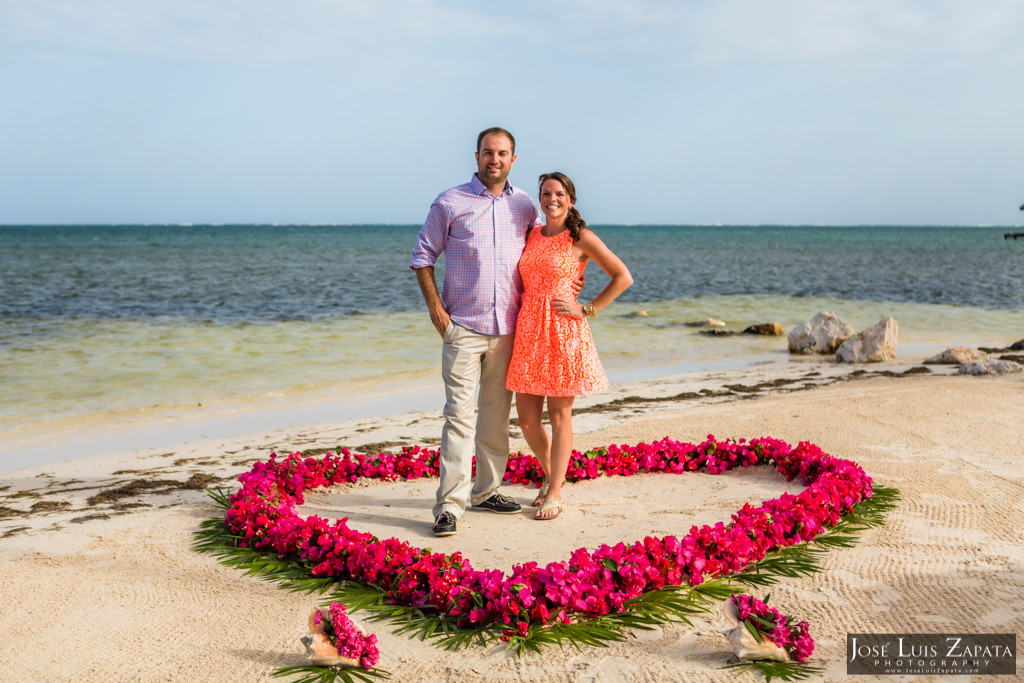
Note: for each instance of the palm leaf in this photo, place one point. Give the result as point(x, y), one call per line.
point(784, 671)
point(313, 673)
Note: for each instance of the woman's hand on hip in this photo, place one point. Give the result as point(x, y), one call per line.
point(567, 307)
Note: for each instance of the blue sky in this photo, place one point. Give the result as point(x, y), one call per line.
point(330, 111)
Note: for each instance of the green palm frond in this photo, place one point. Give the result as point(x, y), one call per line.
point(455, 639)
point(792, 561)
point(671, 604)
point(784, 671)
point(590, 632)
point(312, 673)
point(220, 497)
point(356, 596)
point(720, 589)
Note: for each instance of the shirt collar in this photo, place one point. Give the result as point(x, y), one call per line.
point(480, 189)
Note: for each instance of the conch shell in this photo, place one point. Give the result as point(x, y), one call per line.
point(319, 647)
point(744, 645)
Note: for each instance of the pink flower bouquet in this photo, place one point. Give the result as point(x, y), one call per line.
point(335, 640)
point(763, 633)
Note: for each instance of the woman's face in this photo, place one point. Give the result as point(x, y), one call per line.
point(554, 200)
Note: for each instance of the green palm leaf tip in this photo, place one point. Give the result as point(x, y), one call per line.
point(784, 671)
point(312, 673)
point(671, 604)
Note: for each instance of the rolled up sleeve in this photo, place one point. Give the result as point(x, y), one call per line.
point(433, 237)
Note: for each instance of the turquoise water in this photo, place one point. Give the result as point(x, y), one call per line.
point(249, 273)
point(102, 322)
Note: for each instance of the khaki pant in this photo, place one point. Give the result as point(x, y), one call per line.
point(472, 363)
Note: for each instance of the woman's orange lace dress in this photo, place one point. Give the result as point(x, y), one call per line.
point(554, 355)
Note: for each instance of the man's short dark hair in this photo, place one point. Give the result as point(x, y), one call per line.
point(498, 131)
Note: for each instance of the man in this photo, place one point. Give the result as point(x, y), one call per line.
point(481, 227)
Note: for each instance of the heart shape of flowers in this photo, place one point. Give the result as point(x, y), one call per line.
point(261, 516)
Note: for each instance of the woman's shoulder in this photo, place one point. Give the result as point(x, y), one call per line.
point(588, 236)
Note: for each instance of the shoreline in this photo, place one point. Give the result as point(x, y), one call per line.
point(42, 442)
point(114, 481)
point(203, 379)
point(105, 541)
point(139, 431)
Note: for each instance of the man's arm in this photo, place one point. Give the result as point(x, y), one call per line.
point(430, 243)
point(438, 316)
point(578, 285)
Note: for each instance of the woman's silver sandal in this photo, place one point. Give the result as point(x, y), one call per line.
point(556, 505)
point(542, 494)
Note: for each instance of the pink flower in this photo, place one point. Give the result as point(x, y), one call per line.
point(349, 640)
point(774, 626)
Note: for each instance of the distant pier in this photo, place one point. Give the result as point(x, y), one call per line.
point(1013, 235)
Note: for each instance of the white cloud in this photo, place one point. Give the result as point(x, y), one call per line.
point(316, 31)
point(262, 34)
point(810, 28)
point(739, 30)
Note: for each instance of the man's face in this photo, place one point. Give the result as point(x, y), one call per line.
point(494, 159)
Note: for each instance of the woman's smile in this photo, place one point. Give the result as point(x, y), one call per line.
point(554, 200)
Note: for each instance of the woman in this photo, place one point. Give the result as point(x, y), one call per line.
point(554, 355)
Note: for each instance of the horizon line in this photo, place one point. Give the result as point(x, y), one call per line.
point(600, 225)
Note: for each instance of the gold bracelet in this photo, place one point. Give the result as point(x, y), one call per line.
point(588, 310)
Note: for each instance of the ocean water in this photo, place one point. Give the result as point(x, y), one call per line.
point(105, 322)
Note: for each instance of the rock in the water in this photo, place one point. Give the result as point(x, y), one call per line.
point(956, 355)
point(821, 334)
point(876, 344)
point(770, 329)
point(707, 322)
point(990, 367)
point(717, 332)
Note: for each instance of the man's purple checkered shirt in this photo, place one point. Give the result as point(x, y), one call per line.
point(482, 238)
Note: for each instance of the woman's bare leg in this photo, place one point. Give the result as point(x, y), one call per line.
point(560, 416)
point(530, 409)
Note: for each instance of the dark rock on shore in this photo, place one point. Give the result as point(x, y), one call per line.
point(1015, 346)
point(769, 329)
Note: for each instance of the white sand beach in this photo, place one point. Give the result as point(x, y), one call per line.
point(100, 582)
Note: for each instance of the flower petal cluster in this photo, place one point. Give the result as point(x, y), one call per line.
point(795, 639)
point(347, 637)
point(590, 582)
